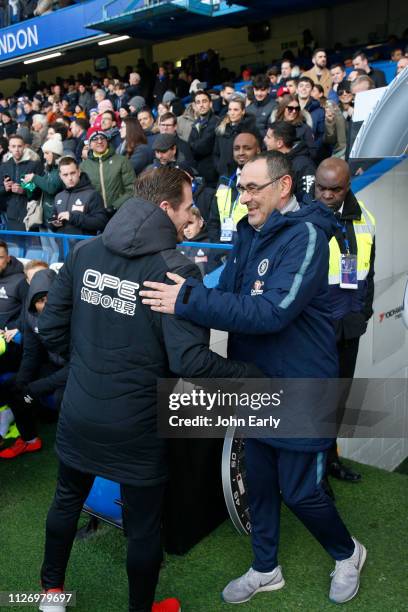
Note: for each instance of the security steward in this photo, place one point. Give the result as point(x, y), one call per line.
point(351, 279)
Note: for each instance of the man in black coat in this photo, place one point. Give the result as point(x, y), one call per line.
point(264, 103)
point(281, 136)
point(13, 198)
point(202, 138)
point(360, 62)
point(79, 208)
point(119, 348)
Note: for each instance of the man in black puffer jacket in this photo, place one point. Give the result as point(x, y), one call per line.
point(263, 105)
point(119, 348)
point(79, 208)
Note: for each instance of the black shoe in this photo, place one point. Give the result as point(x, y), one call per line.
point(325, 484)
point(338, 470)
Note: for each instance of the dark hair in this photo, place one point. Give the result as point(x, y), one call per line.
point(60, 128)
point(111, 113)
point(285, 131)
point(67, 160)
point(280, 113)
point(318, 50)
point(319, 87)
point(160, 184)
point(359, 54)
point(228, 84)
point(261, 81)
point(273, 71)
point(287, 61)
point(253, 133)
point(3, 245)
point(17, 136)
point(166, 116)
point(306, 79)
point(4, 144)
point(338, 65)
point(145, 109)
point(135, 135)
point(201, 92)
point(82, 123)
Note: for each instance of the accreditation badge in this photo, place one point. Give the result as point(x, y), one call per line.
point(348, 271)
point(227, 230)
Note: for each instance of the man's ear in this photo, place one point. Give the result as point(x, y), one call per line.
point(164, 205)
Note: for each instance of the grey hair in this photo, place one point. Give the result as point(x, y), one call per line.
point(277, 163)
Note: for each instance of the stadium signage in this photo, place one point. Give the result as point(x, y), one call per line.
point(23, 39)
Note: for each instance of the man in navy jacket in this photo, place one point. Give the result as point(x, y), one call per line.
point(273, 299)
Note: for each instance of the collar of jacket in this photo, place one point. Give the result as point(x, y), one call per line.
point(351, 208)
point(108, 153)
point(263, 102)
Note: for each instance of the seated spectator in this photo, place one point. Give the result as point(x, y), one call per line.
point(286, 72)
point(165, 150)
point(167, 124)
point(318, 94)
point(226, 209)
point(39, 129)
point(220, 106)
point(134, 145)
point(304, 91)
point(402, 64)
point(49, 182)
point(196, 231)
point(235, 121)
point(397, 54)
point(185, 123)
point(281, 136)
point(202, 137)
point(292, 84)
point(134, 86)
point(78, 209)
point(40, 374)
point(109, 126)
point(136, 104)
point(338, 75)
point(112, 175)
point(84, 98)
point(79, 128)
point(319, 73)
point(8, 125)
point(13, 291)
point(263, 104)
point(335, 135)
point(146, 120)
point(273, 74)
point(360, 62)
point(291, 112)
point(13, 198)
point(162, 109)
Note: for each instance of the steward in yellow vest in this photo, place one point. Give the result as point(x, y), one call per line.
point(351, 278)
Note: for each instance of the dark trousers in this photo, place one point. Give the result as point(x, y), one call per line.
point(142, 510)
point(10, 360)
point(275, 474)
point(347, 351)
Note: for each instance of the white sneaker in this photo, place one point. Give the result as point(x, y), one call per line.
point(346, 575)
point(53, 607)
point(251, 583)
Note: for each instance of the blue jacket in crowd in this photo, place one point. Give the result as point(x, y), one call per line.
point(273, 299)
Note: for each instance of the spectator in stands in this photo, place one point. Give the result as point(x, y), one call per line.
point(49, 182)
point(168, 125)
point(292, 84)
point(319, 73)
point(273, 75)
point(146, 120)
point(13, 198)
point(41, 373)
point(79, 208)
point(185, 122)
point(13, 291)
point(196, 231)
point(136, 104)
point(286, 72)
point(335, 131)
point(318, 94)
point(338, 75)
point(360, 62)
point(134, 88)
point(304, 91)
point(134, 145)
point(234, 122)
point(39, 129)
point(202, 137)
point(112, 175)
point(79, 128)
point(402, 64)
point(346, 100)
point(84, 98)
point(281, 136)
point(120, 98)
point(8, 125)
point(397, 54)
point(161, 85)
point(290, 111)
point(3, 149)
point(109, 126)
point(220, 106)
point(362, 83)
point(226, 209)
point(263, 105)
point(165, 150)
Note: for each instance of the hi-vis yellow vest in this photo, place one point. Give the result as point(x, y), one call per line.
point(225, 205)
point(364, 231)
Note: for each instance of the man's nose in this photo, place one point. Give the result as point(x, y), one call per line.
point(245, 197)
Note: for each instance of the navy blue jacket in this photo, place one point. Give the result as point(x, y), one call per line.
point(318, 117)
point(284, 326)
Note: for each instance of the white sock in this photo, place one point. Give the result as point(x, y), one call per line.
point(31, 441)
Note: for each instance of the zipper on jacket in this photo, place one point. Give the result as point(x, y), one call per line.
point(102, 181)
